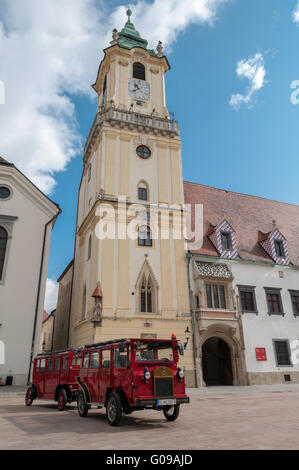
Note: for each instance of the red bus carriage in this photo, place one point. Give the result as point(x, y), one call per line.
point(54, 378)
point(122, 375)
point(131, 374)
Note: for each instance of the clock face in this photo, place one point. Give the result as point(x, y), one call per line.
point(139, 89)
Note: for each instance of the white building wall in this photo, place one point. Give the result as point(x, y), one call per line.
point(19, 289)
point(261, 329)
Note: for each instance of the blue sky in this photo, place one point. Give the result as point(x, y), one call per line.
point(252, 150)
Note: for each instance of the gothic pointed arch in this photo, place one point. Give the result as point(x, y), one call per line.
point(146, 289)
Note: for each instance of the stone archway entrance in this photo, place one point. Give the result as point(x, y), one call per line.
point(216, 362)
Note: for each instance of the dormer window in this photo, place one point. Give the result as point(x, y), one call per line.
point(223, 237)
point(279, 248)
point(226, 241)
point(138, 71)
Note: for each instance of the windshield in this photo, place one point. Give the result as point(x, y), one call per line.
point(153, 351)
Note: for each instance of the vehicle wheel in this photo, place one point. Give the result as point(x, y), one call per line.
point(62, 400)
point(171, 412)
point(81, 405)
point(29, 396)
point(114, 409)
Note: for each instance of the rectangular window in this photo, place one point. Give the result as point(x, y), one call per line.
point(64, 363)
point(57, 363)
point(274, 301)
point(282, 352)
point(295, 301)
point(76, 360)
point(279, 248)
point(120, 358)
point(94, 360)
point(37, 365)
point(105, 359)
point(226, 241)
point(86, 360)
point(50, 364)
point(42, 365)
point(215, 296)
point(247, 299)
point(142, 194)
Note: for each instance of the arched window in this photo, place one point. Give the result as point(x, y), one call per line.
point(143, 191)
point(145, 236)
point(138, 71)
point(3, 246)
point(146, 295)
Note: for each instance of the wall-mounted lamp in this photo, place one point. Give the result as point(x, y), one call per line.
point(187, 335)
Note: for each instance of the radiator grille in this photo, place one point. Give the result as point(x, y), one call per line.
point(164, 387)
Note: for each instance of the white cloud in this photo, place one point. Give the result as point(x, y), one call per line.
point(254, 70)
point(51, 50)
point(51, 295)
point(296, 14)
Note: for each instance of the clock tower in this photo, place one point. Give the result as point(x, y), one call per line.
point(124, 285)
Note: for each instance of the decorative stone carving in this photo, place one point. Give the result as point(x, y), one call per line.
point(101, 194)
point(139, 55)
point(154, 70)
point(123, 62)
point(160, 49)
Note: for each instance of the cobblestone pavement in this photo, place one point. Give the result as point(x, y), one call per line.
point(217, 418)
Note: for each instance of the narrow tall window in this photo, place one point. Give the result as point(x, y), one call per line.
point(84, 302)
point(146, 296)
point(247, 299)
point(279, 248)
point(144, 236)
point(226, 241)
point(104, 98)
point(142, 194)
point(3, 246)
point(295, 301)
point(138, 71)
point(89, 248)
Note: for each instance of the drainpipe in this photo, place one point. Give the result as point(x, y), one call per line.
point(38, 292)
point(193, 326)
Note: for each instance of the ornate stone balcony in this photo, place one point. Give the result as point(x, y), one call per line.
point(132, 121)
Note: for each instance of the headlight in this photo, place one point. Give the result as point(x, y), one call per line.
point(181, 374)
point(147, 375)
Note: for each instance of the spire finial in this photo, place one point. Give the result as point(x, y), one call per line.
point(129, 13)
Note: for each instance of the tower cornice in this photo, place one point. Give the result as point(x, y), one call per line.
point(123, 119)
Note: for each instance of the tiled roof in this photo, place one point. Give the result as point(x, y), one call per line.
point(249, 215)
point(45, 316)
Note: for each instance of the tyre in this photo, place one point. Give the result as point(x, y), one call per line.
point(81, 405)
point(171, 412)
point(29, 396)
point(62, 400)
point(114, 409)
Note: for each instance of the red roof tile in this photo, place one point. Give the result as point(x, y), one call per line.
point(249, 215)
point(45, 316)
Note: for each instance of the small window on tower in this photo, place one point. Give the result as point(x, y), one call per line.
point(138, 71)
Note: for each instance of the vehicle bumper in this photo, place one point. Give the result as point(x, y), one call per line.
point(152, 402)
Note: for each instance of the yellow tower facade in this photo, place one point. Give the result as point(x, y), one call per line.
point(130, 278)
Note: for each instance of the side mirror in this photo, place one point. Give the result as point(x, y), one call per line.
point(181, 349)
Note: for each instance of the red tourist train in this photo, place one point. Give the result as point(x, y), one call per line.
point(123, 376)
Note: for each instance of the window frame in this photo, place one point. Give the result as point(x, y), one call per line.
point(287, 342)
point(141, 66)
point(228, 236)
point(212, 285)
point(7, 223)
point(248, 289)
point(142, 241)
point(281, 249)
point(274, 291)
point(295, 293)
point(6, 186)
